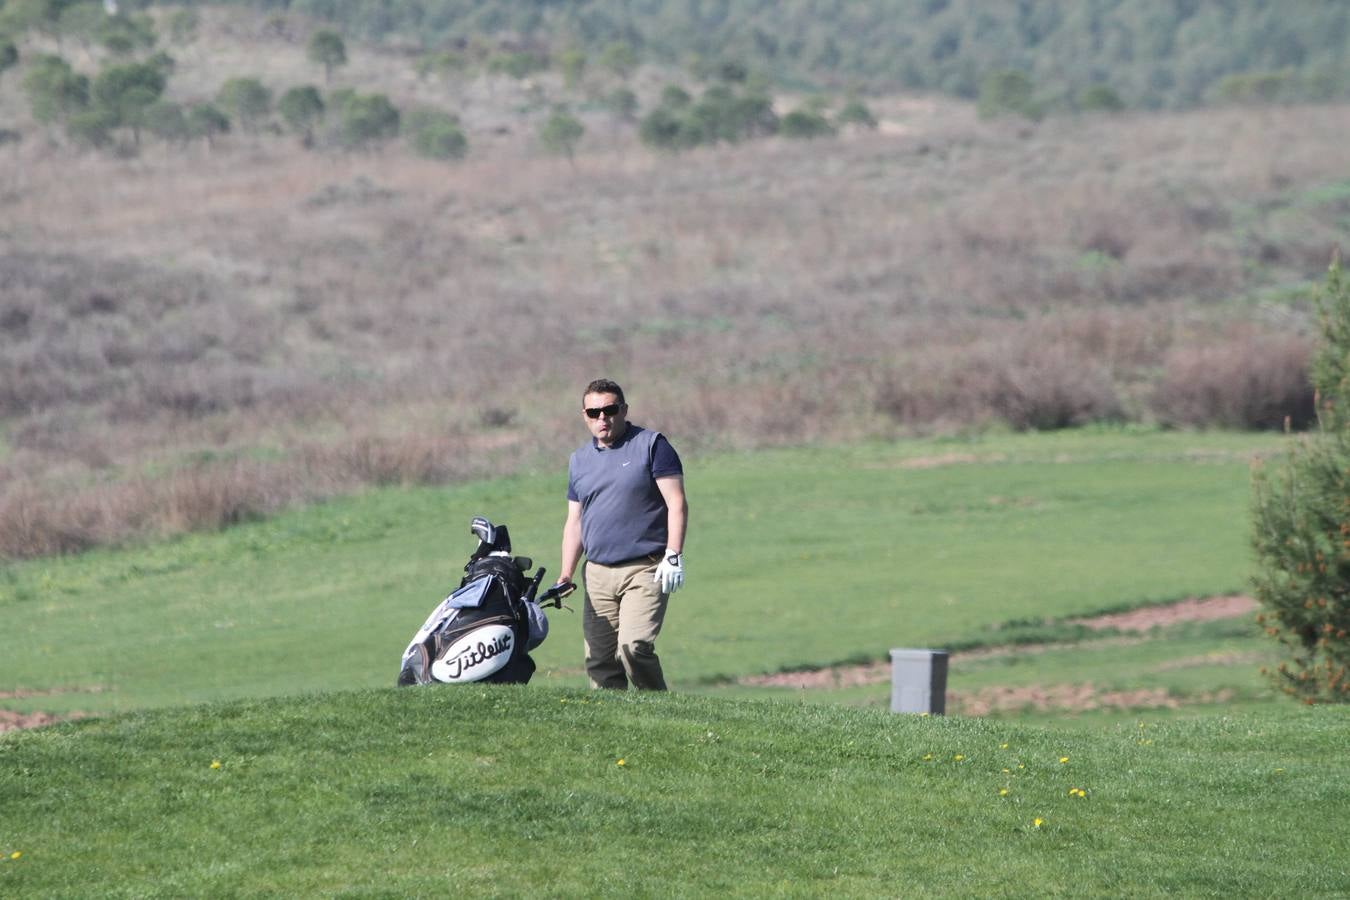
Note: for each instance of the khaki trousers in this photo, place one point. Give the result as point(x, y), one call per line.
point(620, 621)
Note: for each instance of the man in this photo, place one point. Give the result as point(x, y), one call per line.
point(626, 510)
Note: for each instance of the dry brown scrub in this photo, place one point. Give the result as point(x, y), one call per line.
point(194, 338)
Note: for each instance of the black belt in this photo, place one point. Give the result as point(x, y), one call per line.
point(649, 557)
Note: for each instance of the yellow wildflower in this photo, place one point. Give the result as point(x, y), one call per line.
point(622, 762)
point(1003, 746)
point(1038, 822)
point(958, 757)
point(215, 764)
point(1003, 792)
point(1063, 759)
point(927, 757)
point(16, 854)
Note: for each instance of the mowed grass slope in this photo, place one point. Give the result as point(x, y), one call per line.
point(796, 558)
point(500, 791)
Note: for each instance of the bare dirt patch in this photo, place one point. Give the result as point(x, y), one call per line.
point(1065, 697)
point(1068, 698)
point(1191, 610)
point(13, 721)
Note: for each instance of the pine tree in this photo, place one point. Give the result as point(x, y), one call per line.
point(1302, 525)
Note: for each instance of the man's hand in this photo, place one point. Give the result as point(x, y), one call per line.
point(670, 573)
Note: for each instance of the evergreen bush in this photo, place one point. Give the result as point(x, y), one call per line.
point(1302, 525)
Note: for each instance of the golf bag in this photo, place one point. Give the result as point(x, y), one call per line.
point(485, 630)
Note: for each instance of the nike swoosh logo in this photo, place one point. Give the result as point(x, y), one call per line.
point(626, 462)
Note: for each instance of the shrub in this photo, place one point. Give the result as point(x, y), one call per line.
point(123, 35)
point(167, 122)
point(365, 119)
point(518, 65)
point(247, 100)
point(622, 103)
point(572, 64)
point(619, 58)
point(302, 109)
point(855, 112)
point(1301, 528)
point(665, 129)
point(206, 121)
point(55, 90)
point(9, 55)
point(1020, 382)
point(560, 133)
point(805, 123)
point(1257, 87)
point(436, 135)
point(92, 127)
point(1100, 98)
point(1249, 382)
point(1007, 91)
point(719, 115)
point(183, 25)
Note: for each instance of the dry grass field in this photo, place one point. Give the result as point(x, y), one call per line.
point(190, 337)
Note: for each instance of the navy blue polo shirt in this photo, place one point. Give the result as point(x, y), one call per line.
point(623, 515)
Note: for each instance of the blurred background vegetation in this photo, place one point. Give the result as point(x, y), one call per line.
point(255, 255)
point(1147, 53)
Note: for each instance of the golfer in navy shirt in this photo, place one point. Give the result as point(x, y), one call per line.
point(626, 511)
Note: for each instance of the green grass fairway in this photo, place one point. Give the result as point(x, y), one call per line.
point(537, 791)
point(795, 558)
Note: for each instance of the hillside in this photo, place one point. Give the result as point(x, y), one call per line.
point(196, 335)
point(1148, 54)
point(508, 792)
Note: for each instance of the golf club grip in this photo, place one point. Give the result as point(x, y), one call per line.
point(534, 584)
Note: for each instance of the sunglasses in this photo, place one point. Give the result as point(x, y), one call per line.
point(596, 412)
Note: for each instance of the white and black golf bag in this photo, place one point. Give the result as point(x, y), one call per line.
point(485, 630)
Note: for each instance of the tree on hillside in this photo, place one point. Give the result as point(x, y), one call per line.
point(622, 103)
point(206, 121)
point(247, 100)
point(561, 134)
point(805, 123)
point(183, 25)
point(364, 120)
point(82, 21)
point(302, 110)
point(448, 65)
point(436, 134)
point(92, 127)
point(1302, 525)
point(126, 91)
point(1007, 91)
point(856, 113)
point(572, 64)
point(166, 121)
point(125, 35)
point(327, 49)
point(43, 16)
point(55, 90)
point(619, 58)
point(9, 55)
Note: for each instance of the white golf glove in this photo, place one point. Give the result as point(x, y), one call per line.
point(670, 573)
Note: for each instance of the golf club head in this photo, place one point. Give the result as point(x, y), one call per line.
point(486, 531)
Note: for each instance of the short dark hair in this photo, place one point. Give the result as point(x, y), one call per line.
point(604, 386)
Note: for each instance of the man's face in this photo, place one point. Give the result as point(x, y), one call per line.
point(610, 416)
